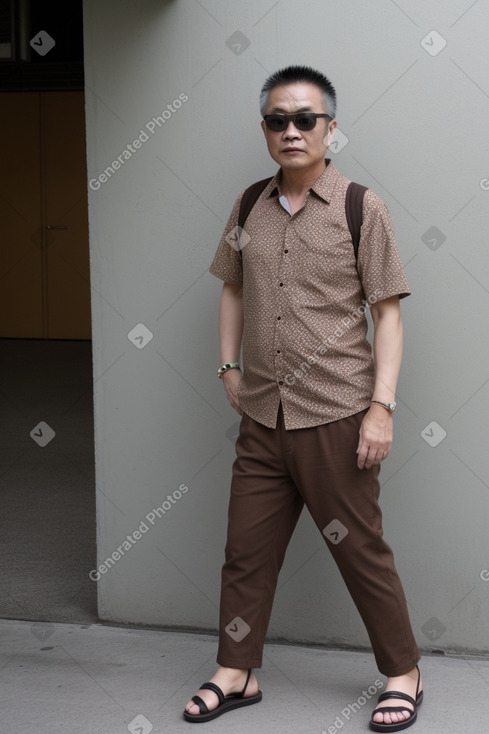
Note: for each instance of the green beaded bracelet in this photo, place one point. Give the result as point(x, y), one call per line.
point(226, 367)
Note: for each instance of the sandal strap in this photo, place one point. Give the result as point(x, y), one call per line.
point(381, 709)
point(419, 681)
point(201, 704)
point(212, 687)
point(246, 684)
point(397, 694)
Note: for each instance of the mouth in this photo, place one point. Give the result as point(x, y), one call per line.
point(292, 150)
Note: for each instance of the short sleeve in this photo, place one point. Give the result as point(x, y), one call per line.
point(379, 263)
point(227, 263)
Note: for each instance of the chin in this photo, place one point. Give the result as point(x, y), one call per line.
point(299, 161)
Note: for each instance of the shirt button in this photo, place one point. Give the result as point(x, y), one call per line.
point(278, 351)
point(285, 251)
point(281, 284)
point(280, 382)
point(279, 318)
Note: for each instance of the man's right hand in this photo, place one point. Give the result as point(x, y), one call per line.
point(231, 380)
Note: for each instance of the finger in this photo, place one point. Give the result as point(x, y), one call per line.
point(362, 456)
point(380, 455)
point(373, 457)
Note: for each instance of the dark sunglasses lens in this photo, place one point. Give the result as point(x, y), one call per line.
point(277, 123)
point(305, 121)
point(302, 121)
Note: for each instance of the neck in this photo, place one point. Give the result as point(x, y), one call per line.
point(298, 182)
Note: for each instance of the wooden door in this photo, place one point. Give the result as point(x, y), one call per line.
point(21, 248)
point(44, 234)
point(67, 293)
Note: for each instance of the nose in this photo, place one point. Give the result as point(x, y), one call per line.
point(291, 132)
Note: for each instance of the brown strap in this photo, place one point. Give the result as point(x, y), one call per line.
point(249, 199)
point(354, 212)
point(353, 207)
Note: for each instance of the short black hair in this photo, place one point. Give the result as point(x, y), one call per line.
point(294, 74)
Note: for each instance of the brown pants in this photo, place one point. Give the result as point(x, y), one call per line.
point(275, 473)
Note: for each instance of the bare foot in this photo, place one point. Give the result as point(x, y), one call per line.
point(229, 680)
point(406, 683)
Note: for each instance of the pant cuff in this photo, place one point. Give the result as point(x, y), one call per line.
point(399, 669)
point(240, 664)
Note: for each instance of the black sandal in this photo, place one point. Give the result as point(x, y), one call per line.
point(404, 697)
point(226, 703)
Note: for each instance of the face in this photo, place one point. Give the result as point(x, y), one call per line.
point(293, 148)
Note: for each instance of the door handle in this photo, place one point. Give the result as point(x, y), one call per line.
point(57, 226)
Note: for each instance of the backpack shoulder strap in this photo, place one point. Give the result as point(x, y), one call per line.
point(249, 199)
point(353, 207)
point(354, 212)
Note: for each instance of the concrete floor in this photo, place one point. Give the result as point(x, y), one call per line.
point(95, 679)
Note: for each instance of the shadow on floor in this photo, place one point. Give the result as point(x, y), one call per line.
point(47, 481)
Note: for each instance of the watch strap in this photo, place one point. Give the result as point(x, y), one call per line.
point(388, 406)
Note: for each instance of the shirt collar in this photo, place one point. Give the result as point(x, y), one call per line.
point(323, 186)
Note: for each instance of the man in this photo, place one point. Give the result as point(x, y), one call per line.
point(316, 405)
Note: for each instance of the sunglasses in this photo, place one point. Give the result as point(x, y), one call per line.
point(303, 121)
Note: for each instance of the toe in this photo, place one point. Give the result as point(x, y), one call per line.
point(192, 708)
point(209, 698)
point(390, 717)
point(382, 718)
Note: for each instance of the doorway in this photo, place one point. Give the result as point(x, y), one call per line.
point(47, 483)
point(44, 272)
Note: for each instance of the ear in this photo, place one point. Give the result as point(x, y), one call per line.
point(328, 138)
point(264, 127)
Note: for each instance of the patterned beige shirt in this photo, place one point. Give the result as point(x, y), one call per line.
point(304, 301)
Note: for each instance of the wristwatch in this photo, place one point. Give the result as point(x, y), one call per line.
point(389, 406)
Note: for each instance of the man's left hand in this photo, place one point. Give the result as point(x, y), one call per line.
point(375, 437)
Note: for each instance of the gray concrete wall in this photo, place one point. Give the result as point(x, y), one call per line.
point(412, 113)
